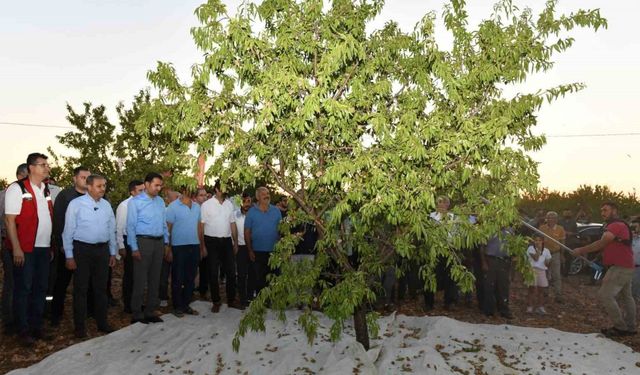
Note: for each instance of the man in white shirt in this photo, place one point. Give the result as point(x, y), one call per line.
point(28, 219)
point(218, 226)
point(135, 187)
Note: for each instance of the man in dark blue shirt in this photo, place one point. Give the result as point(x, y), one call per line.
point(89, 241)
point(148, 235)
point(60, 276)
point(261, 234)
point(496, 264)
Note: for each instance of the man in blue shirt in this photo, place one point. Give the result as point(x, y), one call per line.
point(89, 241)
point(183, 218)
point(261, 234)
point(148, 235)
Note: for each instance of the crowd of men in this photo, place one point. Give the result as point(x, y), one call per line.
point(49, 242)
point(199, 235)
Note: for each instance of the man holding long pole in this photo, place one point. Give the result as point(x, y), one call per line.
point(618, 256)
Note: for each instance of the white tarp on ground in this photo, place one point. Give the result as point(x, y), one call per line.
point(421, 345)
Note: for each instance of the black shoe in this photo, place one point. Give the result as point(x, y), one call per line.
point(154, 319)
point(43, 335)
point(9, 330)
point(235, 305)
point(143, 321)
point(215, 308)
point(106, 329)
point(26, 340)
point(190, 311)
point(507, 315)
point(80, 333)
point(614, 332)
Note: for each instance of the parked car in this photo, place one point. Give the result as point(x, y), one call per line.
point(587, 233)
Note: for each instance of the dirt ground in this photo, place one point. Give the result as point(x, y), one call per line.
point(579, 313)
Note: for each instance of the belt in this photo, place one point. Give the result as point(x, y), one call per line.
point(99, 244)
point(150, 237)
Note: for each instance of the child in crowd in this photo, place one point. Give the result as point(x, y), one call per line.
point(539, 257)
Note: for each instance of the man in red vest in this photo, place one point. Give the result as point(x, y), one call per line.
point(616, 284)
point(28, 218)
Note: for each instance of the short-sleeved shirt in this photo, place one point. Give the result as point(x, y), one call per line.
point(184, 223)
point(240, 217)
point(217, 218)
point(540, 263)
point(556, 233)
point(264, 227)
point(13, 206)
point(636, 250)
point(617, 253)
point(496, 246)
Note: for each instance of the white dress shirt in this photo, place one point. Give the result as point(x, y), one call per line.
point(240, 225)
point(121, 222)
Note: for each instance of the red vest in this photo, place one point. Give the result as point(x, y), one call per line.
point(27, 220)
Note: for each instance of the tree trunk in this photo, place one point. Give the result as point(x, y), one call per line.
point(360, 325)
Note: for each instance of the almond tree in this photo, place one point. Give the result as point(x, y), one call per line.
point(364, 129)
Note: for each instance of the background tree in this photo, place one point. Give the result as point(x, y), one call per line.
point(117, 152)
point(3, 183)
point(586, 198)
point(91, 141)
point(364, 130)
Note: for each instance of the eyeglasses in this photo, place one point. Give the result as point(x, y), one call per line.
point(44, 165)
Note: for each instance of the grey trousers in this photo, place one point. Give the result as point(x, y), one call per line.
point(617, 283)
point(146, 273)
point(555, 270)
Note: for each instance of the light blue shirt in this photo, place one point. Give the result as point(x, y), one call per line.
point(146, 217)
point(184, 223)
point(496, 246)
point(89, 221)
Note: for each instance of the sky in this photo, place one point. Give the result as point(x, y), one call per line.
point(74, 51)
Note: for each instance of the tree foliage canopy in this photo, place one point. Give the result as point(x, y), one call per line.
point(365, 129)
point(114, 151)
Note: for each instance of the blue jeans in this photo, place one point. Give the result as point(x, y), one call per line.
point(31, 290)
point(183, 274)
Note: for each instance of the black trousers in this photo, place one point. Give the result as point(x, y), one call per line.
point(261, 267)
point(410, 281)
point(92, 264)
point(165, 271)
point(246, 275)
point(496, 285)
point(62, 280)
point(446, 283)
point(7, 289)
point(203, 271)
point(220, 254)
point(127, 277)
